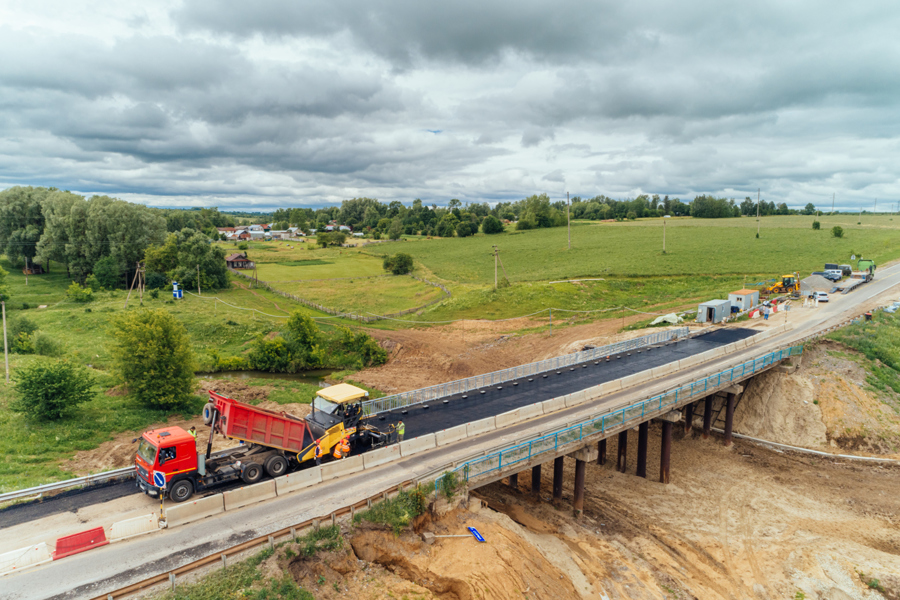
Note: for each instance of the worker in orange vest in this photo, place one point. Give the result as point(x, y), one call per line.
point(318, 453)
point(345, 446)
point(338, 451)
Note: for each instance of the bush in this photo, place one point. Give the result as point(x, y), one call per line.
point(47, 389)
point(816, 225)
point(93, 283)
point(46, 345)
point(364, 346)
point(232, 363)
point(837, 231)
point(464, 230)
point(77, 293)
point(25, 306)
point(269, 355)
point(243, 246)
point(448, 484)
point(154, 294)
point(156, 281)
point(108, 273)
point(398, 264)
point(491, 225)
point(152, 356)
point(20, 325)
point(397, 512)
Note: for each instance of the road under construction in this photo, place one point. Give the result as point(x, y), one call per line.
point(103, 570)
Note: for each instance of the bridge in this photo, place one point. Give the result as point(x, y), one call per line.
point(559, 423)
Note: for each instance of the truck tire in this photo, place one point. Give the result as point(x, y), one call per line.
point(276, 466)
point(208, 412)
point(251, 473)
point(181, 490)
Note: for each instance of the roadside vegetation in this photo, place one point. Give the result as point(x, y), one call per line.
point(879, 341)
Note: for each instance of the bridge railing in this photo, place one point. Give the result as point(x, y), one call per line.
point(598, 424)
point(461, 386)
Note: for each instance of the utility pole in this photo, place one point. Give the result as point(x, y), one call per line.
point(832, 203)
point(198, 281)
point(495, 268)
point(664, 232)
point(568, 221)
point(757, 212)
point(5, 345)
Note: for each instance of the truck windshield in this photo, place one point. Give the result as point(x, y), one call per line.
point(324, 405)
point(147, 451)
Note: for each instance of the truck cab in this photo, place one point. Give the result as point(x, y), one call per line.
point(170, 450)
point(335, 414)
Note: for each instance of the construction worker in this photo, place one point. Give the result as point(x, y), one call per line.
point(345, 446)
point(401, 429)
point(318, 452)
point(338, 451)
point(193, 432)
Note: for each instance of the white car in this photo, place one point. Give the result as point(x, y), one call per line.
point(822, 296)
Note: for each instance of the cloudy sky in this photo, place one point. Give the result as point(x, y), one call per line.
point(253, 105)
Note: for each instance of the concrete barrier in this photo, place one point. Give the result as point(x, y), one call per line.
point(554, 404)
point(22, 558)
point(250, 494)
point(419, 444)
point(611, 386)
point(339, 468)
point(664, 370)
point(298, 480)
point(453, 434)
point(535, 410)
point(576, 398)
point(121, 530)
point(194, 510)
point(480, 426)
point(508, 418)
point(381, 456)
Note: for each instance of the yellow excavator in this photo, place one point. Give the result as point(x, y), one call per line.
point(789, 284)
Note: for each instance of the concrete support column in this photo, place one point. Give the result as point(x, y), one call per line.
point(643, 435)
point(536, 481)
point(601, 452)
point(729, 418)
point(579, 487)
point(514, 481)
point(557, 478)
point(623, 451)
point(665, 452)
point(707, 416)
point(688, 418)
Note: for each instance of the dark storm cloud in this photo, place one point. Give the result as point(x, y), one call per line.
point(318, 101)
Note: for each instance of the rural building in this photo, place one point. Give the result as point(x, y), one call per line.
point(713, 311)
point(239, 260)
point(744, 299)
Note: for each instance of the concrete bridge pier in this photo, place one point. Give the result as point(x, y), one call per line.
point(514, 481)
point(707, 416)
point(558, 478)
point(688, 418)
point(665, 452)
point(601, 452)
point(732, 393)
point(643, 436)
point(536, 481)
point(623, 451)
point(582, 458)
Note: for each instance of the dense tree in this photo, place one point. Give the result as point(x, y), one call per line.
point(152, 356)
point(22, 222)
point(47, 389)
point(809, 209)
point(491, 225)
point(181, 255)
point(398, 264)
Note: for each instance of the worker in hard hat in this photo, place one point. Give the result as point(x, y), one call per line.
point(318, 452)
point(401, 430)
point(193, 432)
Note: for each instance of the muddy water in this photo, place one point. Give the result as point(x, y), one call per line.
point(314, 377)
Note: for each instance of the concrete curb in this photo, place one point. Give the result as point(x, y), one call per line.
point(128, 528)
point(201, 508)
point(23, 558)
point(448, 436)
point(481, 426)
point(250, 494)
point(381, 456)
point(344, 466)
point(298, 480)
point(419, 444)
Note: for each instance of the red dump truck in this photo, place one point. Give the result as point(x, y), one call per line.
point(274, 443)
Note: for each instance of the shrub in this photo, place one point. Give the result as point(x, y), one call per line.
point(398, 264)
point(22, 344)
point(816, 225)
point(397, 512)
point(448, 484)
point(364, 346)
point(232, 363)
point(25, 306)
point(93, 283)
point(77, 293)
point(156, 281)
point(152, 356)
point(20, 325)
point(491, 225)
point(269, 355)
point(46, 345)
point(47, 389)
point(837, 231)
point(154, 294)
point(464, 230)
point(243, 246)
point(108, 273)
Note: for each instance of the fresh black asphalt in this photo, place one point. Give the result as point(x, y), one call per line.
point(444, 413)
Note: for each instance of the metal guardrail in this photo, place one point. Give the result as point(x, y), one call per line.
point(461, 386)
point(631, 413)
point(123, 473)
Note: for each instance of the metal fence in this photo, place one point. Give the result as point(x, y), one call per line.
point(461, 386)
point(622, 417)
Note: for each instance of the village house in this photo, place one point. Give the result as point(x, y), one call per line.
point(239, 260)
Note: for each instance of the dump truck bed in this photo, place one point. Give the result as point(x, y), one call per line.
point(256, 425)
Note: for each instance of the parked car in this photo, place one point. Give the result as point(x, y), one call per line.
point(819, 273)
point(846, 269)
point(834, 274)
point(822, 296)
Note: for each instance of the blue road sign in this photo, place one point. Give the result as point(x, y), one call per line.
point(474, 532)
point(159, 479)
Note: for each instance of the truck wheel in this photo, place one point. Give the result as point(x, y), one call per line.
point(181, 490)
point(251, 473)
point(208, 413)
point(276, 466)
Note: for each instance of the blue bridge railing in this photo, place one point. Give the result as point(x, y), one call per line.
point(599, 424)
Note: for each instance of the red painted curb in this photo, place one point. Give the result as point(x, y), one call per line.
point(79, 542)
